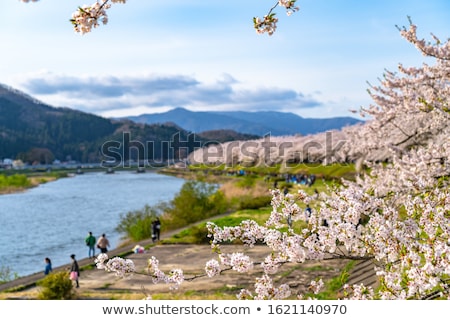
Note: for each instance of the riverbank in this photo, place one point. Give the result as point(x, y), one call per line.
point(34, 182)
point(36, 178)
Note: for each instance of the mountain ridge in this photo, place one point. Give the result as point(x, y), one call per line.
point(258, 123)
point(38, 133)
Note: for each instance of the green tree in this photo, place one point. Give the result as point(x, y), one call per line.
point(195, 201)
point(137, 224)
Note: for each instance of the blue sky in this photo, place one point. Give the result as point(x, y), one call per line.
point(156, 55)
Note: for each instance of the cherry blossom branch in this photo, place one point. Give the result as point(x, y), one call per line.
point(436, 50)
point(269, 22)
point(88, 17)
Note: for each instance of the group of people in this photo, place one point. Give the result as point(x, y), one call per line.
point(308, 180)
point(102, 243)
point(74, 272)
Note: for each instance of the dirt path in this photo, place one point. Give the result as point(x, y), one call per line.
point(98, 284)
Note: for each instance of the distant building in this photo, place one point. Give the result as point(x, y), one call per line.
point(18, 164)
point(6, 163)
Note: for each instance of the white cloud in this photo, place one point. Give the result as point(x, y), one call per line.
point(104, 94)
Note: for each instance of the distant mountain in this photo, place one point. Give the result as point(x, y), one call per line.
point(30, 126)
point(256, 123)
point(35, 132)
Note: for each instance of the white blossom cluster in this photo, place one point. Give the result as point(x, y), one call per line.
point(175, 277)
point(269, 22)
point(121, 267)
point(88, 17)
point(212, 268)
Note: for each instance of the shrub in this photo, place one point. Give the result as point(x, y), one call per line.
point(15, 180)
point(6, 274)
point(56, 286)
point(137, 225)
point(199, 234)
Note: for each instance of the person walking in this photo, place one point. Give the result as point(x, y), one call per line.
point(74, 270)
point(156, 229)
point(90, 242)
point(48, 266)
point(103, 244)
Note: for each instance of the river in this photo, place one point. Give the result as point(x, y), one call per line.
point(54, 218)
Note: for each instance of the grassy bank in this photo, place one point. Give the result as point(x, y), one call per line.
point(21, 182)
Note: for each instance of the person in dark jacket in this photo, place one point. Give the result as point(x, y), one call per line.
point(156, 230)
point(74, 270)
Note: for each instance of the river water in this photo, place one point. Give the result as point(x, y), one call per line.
point(54, 218)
